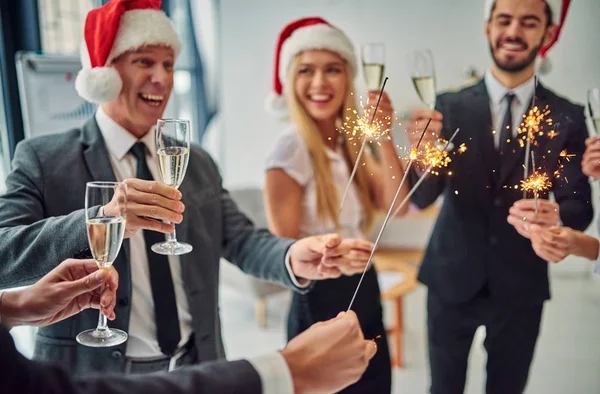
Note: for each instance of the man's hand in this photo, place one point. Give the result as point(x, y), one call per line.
point(552, 244)
point(417, 122)
point(522, 215)
point(68, 289)
point(329, 356)
point(590, 162)
point(148, 204)
point(327, 256)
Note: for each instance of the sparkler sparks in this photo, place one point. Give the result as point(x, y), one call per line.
point(368, 130)
point(534, 125)
point(536, 183)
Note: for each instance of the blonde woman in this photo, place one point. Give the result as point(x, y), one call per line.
point(309, 168)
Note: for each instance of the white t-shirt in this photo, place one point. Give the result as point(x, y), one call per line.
point(291, 154)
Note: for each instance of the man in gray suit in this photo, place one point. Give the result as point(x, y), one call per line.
point(74, 285)
point(168, 307)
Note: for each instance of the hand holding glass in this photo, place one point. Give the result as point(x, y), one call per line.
point(105, 236)
point(173, 149)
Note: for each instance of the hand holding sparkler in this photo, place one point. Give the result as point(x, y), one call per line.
point(522, 215)
point(329, 355)
point(417, 122)
point(555, 243)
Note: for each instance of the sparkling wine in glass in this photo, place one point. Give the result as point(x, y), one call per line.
point(373, 61)
point(420, 65)
point(594, 108)
point(105, 219)
point(173, 148)
point(422, 73)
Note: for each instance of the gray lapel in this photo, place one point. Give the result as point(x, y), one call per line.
point(95, 153)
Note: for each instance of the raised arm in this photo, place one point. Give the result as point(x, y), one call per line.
point(31, 245)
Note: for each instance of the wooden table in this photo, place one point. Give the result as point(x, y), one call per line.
point(405, 261)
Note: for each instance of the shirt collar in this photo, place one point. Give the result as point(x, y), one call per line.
point(118, 140)
point(497, 91)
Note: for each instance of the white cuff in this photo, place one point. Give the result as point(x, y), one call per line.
point(288, 265)
point(274, 373)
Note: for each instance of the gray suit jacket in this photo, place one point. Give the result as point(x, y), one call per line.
point(42, 222)
point(23, 376)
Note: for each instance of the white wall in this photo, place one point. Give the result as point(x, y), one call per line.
point(452, 29)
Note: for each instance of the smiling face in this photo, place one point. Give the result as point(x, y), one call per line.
point(147, 75)
point(321, 83)
point(516, 31)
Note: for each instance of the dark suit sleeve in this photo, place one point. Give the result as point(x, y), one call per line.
point(573, 193)
point(20, 375)
point(431, 188)
point(257, 252)
point(30, 245)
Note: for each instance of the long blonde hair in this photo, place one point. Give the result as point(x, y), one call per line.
point(328, 200)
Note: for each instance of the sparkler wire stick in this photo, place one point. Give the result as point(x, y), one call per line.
point(410, 193)
point(528, 137)
point(362, 149)
point(535, 192)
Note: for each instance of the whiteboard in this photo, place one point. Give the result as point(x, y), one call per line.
point(49, 101)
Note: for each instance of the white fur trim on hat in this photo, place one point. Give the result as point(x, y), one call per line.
point(138, 28)
point(555, 6)
point(319, 36)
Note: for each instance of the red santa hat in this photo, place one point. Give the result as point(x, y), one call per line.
point(559, 13)
point(299, 36)
point(117, 27)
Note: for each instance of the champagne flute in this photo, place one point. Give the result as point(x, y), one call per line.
point(105, 236)
point(373, 61)
point(422, 73)
point(173, 148)
point(594, 108)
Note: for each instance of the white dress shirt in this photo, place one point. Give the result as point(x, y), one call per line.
point(291, 154)
point(498, 103)
point(143, 342)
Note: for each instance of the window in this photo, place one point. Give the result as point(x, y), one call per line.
point(61, 24)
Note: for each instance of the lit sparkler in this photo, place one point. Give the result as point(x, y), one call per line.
point(387, 217)
point(536, 183)
point(371, 129)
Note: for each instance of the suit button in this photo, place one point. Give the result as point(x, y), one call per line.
point(124, 301)
point(498, 202)
point(117, 354)
point(493, 240)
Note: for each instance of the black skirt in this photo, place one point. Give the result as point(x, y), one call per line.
point(332, 296)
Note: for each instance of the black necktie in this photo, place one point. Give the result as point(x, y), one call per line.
point(506, 132)
point(161, 281)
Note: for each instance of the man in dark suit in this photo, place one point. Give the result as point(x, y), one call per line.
point(168, 306)
point(317, 363)
point(479, 266)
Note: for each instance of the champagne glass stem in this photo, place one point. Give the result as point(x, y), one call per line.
point(102, 324)
point(172, 237)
